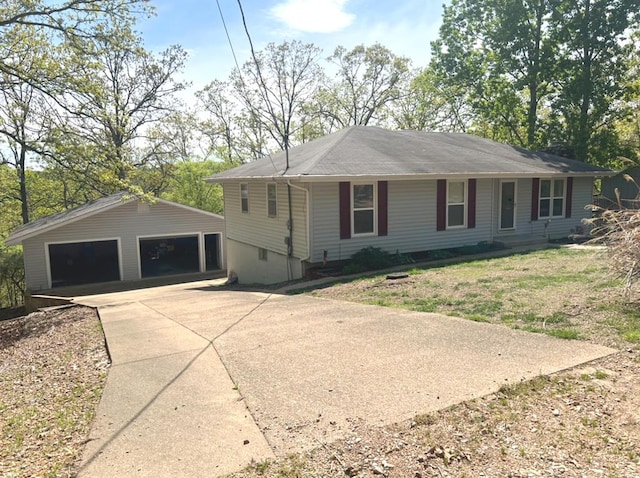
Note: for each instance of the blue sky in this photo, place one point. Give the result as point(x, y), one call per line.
point(406, 27)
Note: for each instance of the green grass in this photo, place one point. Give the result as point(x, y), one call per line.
point(560, 292)
point(625, 319)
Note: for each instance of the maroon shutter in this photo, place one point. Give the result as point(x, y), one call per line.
point(382, 207)
point(568, 203)
point(471, 206)
point(441, 218)
point(535, 198)
point(345, 210)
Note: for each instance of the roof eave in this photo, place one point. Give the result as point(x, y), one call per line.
point(16, 239)
point(404, 177)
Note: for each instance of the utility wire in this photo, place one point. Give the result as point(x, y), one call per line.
point(226, 30)
point(263, 85)
point(285, 139)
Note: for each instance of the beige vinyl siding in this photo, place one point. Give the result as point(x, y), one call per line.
point(249, 269)
point(412, 213)
point(126, 222)
point(557, 227)
point(255, 228)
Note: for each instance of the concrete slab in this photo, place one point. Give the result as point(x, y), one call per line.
point(310, 367)
point(306, 368)
point(169, 407)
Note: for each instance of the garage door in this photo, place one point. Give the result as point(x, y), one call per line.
point(169, 255)
point(76, 263)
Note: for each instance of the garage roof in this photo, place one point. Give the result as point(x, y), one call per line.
point(54, 221)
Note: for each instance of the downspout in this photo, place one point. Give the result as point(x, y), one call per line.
point(308, 231)
point(290, 221)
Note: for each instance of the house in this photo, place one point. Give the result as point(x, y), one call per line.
point(627, 183)
point(405, 191)
point(119, 238)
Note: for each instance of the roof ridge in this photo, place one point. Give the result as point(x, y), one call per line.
point(342, 134)
point(519, 149)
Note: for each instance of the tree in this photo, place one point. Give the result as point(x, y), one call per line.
point(124, 90)
point(220, 126)
point(368, 80)
point(274, 86)
point(187, 185)
point(539, 72)
point(497, 56)
point(23, 121)
point(67, 20)
point(592, 71)
point(426, 105)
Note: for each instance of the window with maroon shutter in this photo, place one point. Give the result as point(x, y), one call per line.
point(363, 209)
point(456, 204)
point(551, 199)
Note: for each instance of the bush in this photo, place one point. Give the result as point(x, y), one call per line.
point(368, 259)
point(373, 258)
point(12, 286)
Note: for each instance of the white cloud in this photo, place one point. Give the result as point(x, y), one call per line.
point(313, 16)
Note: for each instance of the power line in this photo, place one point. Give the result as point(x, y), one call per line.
point(226, 30)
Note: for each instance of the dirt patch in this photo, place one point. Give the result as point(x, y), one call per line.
point(53, 366)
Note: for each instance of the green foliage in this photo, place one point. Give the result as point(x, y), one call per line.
point(368, 259)
point(187, 185)
point(479, 248)
point(518, 72)
point(373, 258)
point(12, 286)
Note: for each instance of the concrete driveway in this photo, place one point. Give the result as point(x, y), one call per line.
point(204, 379)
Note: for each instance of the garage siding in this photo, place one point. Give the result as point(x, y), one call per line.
point(126, 222)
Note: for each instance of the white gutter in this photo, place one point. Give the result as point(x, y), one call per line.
point(405, 177)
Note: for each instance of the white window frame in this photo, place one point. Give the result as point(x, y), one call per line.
point(274, 200)
point(552, 197)
point(464, 203)
point(374, 208)
point(244, 187)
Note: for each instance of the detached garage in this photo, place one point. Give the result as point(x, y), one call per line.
point(119, 238)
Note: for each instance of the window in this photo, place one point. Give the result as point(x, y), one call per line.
point(263, 254)
point(244, 197)
point(272, 200)
point(456, 203)
point(551, 198)
point(363, 207)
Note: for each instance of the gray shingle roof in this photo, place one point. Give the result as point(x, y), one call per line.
point(372, 151)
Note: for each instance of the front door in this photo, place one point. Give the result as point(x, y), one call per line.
point(507, 205)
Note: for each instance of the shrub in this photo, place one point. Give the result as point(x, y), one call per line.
point(12, 284)
point(368, 259)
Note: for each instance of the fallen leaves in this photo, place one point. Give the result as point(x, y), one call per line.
point(53, 368)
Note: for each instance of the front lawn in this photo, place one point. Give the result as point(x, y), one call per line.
point(564, 292)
